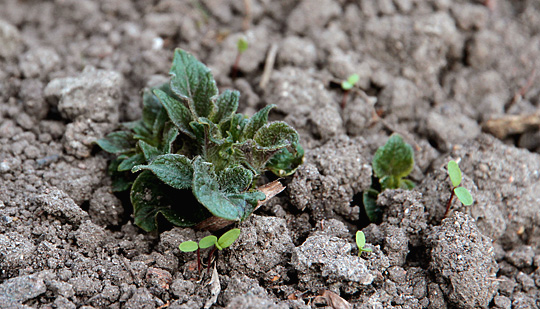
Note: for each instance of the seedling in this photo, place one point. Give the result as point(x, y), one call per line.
point(391, 164)
point(463, 195)
point(347, 85)
point(241, 47)
point(190, 140)
point(361, 242)
point(225, 241)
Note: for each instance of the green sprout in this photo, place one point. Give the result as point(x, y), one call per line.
point(347, 85)
point(241, 46)
point(225, 241)
point(391, 164)
point(463, 195)
point(192, 156)
point(361, 242)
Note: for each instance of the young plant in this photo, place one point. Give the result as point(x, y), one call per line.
point(463, 195)
point(361, 242)
point(225, 241)
point(241, 47)
point(391, 163)
point(347, 85)
point(190, 139)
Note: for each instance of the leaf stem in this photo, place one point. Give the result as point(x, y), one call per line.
point(234, 72)
point(449, 203)
point(210, 260)
point(199, 261)
point(344, 99)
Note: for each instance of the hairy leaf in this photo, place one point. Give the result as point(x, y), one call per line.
point(285, 162)
point(178, 113)
point(373, 212)
point(173, 169)
point(226, 106)
point(117, 142)
point(464, 196)
point(395, 159)
point(235, 179)
point(223, 204)
point(150, 197)
point(151, 107)
point(256, 122)
point(130, 162)
point(276, 135)
point(454, 172)
point(150, 152)
point(192, 81)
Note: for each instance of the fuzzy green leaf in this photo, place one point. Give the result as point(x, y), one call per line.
point(208, 241)
point(276, 135)
point(235, 179)
point(394, 159)
point(406, 184)
point(256, 122)
point(169, 136)
point(454, 172)
point(223, 204)
point(130, 162)
point(150, 197)
point(464, 196)
point(173, 169)
point(177, 111)
point(285, 162)
point(373, 211)
point(188, 246)
point(227, 239)
point(151, 107)
point(192, 81)
point(150, 152)
point(117, 142)
point(226, 106)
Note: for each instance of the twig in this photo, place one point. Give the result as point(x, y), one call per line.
point(268, 65)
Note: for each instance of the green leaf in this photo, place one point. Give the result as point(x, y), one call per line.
point(208, 241)
point(285, 162)
point(151, 107)
point(169, 136)
point(395, 159)
point(353, 79)
point(227, 239)
point(454, 172)
point(223, 204)
point(150, 152)
point(173, 169)
point(276, 135)
point(406, 184)
point(464, 196)
point(117, 142)
point(242, 45)
point(345, 85)
point(256, 122)
point(373, 212)
point(150, 197)
point(130, 162)
point(188, 246)
point(235, 179)
point(360, 240)
point(192, 81)
point(226, 106)
point(178, 113)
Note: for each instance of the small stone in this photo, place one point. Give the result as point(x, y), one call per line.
point(20, 289)
point(11, 42)
point(502, 302)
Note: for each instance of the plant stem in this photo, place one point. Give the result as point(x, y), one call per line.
point(210, 260)
point(235, 65)
point(344, 99)
point(449, 203)
point(199, 261)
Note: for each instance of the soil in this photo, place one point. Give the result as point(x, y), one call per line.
point(434, 71)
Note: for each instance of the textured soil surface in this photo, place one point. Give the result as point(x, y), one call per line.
point(446, 75)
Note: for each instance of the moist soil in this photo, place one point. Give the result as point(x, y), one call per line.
point(457, 79)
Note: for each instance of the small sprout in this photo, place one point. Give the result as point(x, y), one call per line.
point(227, 239)
point(347, 85)
point(188, 246)
point(361, 242)
point(241, 46)
point(207, 242)
point(463, 195)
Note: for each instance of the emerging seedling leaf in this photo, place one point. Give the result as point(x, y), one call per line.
point(208, 241)
point(242, 45)
point(454, 172)
point(361, 242)
point(227, 239)
point(392, 162)
point(188, 246)
point(464, 196)
point(350, 82)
